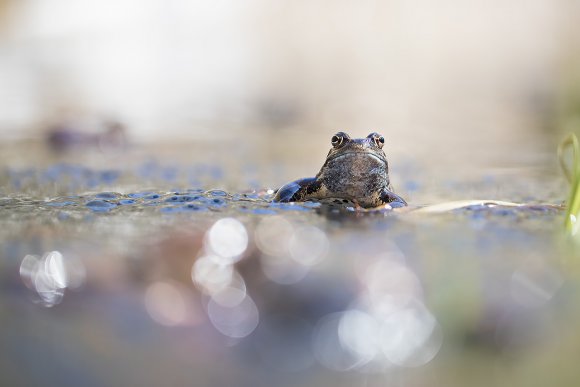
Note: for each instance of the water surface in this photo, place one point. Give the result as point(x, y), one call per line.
point(159, 272)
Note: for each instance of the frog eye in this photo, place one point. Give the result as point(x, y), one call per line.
point(380, 141)
point(377, 139)
point(338, 139)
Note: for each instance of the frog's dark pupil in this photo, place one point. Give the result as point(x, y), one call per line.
point(335, 140)
point(382, 140)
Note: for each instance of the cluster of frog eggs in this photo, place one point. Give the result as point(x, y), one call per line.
point(192, 200)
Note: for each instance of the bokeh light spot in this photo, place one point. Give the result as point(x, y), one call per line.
point(165, 304)
point(358, 332)
point(237, 321)
point(328, 348)
point(273, 235)
point(209, 275)
point(228, 238)
point(411, 337)
point(50, 275)
point(282, 270)
point(309, 245)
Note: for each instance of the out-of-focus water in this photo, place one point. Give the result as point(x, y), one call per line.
point(145, 271)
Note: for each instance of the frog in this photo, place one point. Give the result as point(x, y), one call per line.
point(356, 171)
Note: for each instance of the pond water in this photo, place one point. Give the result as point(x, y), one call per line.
point(156, 270)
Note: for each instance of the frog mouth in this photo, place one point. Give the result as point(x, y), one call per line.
point(357, 154)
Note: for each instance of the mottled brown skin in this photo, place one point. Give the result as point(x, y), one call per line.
point(356, 170)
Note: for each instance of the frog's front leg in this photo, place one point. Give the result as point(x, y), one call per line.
point(298, 190)
point(392, 199)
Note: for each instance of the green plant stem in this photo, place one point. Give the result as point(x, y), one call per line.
point(573, 176)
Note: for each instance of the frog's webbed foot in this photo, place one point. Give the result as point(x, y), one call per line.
point(295, 191)
point(392, 199)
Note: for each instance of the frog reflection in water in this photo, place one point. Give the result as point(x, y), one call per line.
point(356, 170)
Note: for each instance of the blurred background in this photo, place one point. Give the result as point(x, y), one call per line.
point(140, 145)
point(481, 78)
